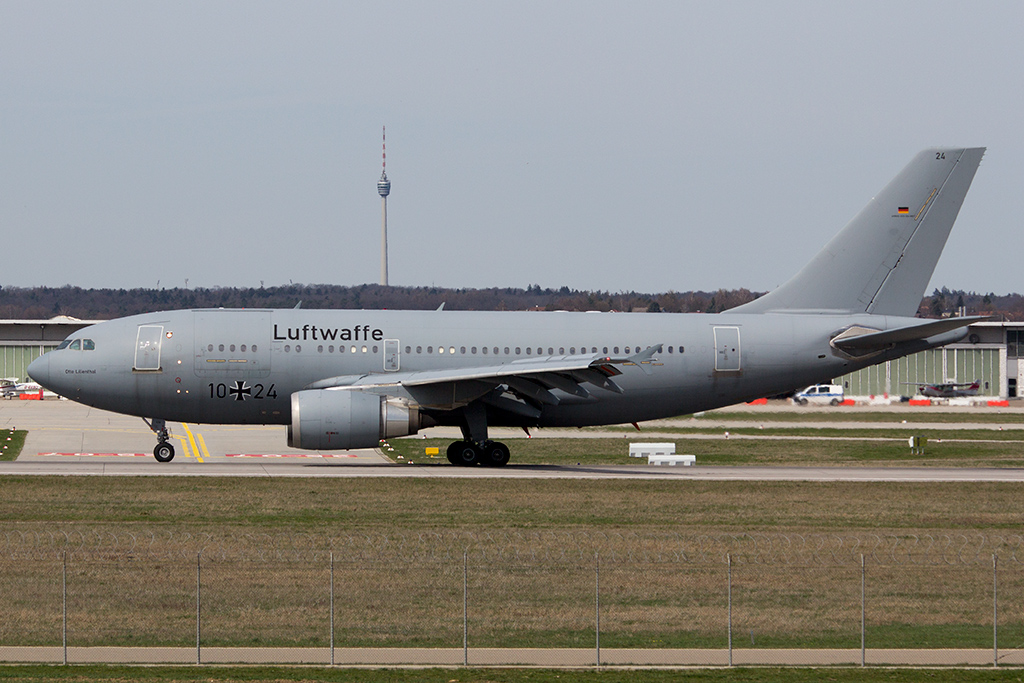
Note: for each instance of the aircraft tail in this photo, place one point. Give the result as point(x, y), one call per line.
point(882, 260)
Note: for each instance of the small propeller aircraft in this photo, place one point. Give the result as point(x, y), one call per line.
point(947, 390)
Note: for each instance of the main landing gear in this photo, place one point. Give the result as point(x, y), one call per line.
point(164, 451)
point(475, 448)
point(486, 453)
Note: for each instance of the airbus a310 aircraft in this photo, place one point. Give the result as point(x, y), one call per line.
point(344, 379)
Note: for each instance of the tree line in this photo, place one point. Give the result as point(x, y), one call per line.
point(36, 303)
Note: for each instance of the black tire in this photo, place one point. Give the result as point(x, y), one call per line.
point(834, 402)
point(463, 454)
point(496, 454)
point(802, 401)
point(164, 452)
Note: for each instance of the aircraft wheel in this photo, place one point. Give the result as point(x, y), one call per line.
point(463, 453)
point(164, 452)
point(495, 454)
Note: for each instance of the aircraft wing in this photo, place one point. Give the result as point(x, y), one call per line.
point(873, 341)
point(525, 385)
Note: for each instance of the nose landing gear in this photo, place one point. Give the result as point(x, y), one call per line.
point(164, 451)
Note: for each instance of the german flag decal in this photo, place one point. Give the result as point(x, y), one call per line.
point(903, 209)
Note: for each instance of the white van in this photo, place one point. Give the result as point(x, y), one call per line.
point(831, 394)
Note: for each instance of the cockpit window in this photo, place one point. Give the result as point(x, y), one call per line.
point(76, 345)
point(88, 345)
point(63, 345)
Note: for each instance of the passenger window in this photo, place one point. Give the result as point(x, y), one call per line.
point(419, 349)
point(518, 351)
point(528, 350)
point(287, 348)
point(76, 345)
point(320, 348)
point(232, 348)
point(472, 350)
point(605, 350)
point(254, 348)
point(551, 351)
point(451, 350)
point(430, 349)
point(495, 350)
point(364, 349)
point(615, 349)
point(242, 348)
point(561, 350)
point(330, 349)
point(462, 350)
point(408, 349)
point(298, 348)
point(506, 351)
point(88, 345)
point(375, 349)
point(572, 350)
point(484, 349)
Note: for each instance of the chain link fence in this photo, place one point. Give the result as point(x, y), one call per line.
point(566, 599)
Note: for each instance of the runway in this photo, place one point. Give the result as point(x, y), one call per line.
point(68, 439)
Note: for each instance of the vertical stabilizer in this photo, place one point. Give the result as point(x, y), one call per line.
point(882, 260)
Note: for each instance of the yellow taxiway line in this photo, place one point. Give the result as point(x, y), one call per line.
point(192, 441)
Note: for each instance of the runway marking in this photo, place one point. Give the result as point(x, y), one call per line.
point(98, 455)
point(202, 444)
point(289, 455)
point(192, 440)
point(184, 446)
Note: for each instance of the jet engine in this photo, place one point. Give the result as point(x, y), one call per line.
point(334, 419)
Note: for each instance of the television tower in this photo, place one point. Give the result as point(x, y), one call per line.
point(384, 189)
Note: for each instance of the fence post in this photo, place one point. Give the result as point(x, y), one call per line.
point(863, 624)
point(64, 606)
point(729, 560)
point(995, 612)
point(465, 607)
point(199, 583)
point(597, 608)
point(332, 608)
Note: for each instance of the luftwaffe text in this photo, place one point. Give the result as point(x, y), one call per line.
point(307, 332)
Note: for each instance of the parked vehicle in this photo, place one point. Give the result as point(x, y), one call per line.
point(832, 394)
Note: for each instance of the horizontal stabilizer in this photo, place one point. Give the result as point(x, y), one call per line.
point(874, 341)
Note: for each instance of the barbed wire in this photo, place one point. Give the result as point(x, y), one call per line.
point(520, 547)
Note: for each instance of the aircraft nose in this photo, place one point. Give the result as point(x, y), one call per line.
point(39, 370)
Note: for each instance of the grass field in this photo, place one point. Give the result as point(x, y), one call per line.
point(88, 674)
point(325, 507)
point(774, 446)
point(674, 606)
point(11, 443)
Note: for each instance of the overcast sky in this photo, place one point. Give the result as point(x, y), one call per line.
point(647, 146)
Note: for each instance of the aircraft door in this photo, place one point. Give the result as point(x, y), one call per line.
point(727, 349)
point(392, 358)
point(147, 348)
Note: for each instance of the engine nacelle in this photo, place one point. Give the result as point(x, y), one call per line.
point(336, 419)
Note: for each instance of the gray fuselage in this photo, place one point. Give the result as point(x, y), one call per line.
point(241, 366)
